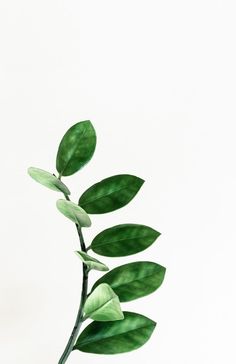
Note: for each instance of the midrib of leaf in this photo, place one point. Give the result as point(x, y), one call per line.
point(91, 261)
point(122, 333)
point(75, 216)
point(131, 281)
point(93, 264)
point(117, 241)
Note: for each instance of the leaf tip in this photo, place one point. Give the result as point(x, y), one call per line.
point(30, 171)
point(59, 201)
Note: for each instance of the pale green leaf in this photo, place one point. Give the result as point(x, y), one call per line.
point(48, 180)
point(74, 213)
point(103, 304)
point(91, 262)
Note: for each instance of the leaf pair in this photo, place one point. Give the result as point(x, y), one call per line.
point(102, 304)
point(75, 150)
point(113, 331)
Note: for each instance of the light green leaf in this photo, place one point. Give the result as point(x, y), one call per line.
point(116, 337)
point(91, 262)
point(110, 194)
point(76, 148)
point(74, 212)
point(125, 239)
point(47, 179)
point(134, 280)
point(103, 304)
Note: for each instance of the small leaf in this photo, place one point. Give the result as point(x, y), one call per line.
point(116, 337)
point(47, 179)
point(74, 212)
point(134, 280)
point(91, 262)
point(125, 239)
point(76, 148)
point(103, 304)
point(110, 194)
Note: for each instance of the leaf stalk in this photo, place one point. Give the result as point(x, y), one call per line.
point(79, 319)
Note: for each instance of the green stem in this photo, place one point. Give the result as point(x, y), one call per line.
point(79, 318)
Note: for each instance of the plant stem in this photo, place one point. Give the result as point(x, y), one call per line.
point(79, 318)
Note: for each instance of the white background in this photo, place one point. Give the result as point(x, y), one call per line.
point(157, 79)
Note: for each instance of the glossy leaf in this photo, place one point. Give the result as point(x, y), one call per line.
point(110, 194)
point(116, 337)
point(134, 280)
point(76, 148)
point(48, 180)
point(74, 213)
point(91, 262)
point(125, 239)
point(103, 304)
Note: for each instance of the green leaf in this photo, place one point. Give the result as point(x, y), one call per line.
point(110, 194)
point(103, 304)
point(125, 239)
point(91, 262)
point(74, 212)
point(47, 179)
point(76, 148)
point(116, 337)
point(134, 280)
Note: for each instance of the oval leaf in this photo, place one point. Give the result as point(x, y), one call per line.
point(125, 239)
point(73, 212)
point(103, 304)
point(47, 179)
point(110, 194)
point(134, 280)
point(91, 262)
point(76, 148)
point(116, 337)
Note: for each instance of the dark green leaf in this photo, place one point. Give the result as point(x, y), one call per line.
point(74, 212)
point(103, 304)
point(110, 194)
point(125, 239)
point(76, 148)
point(117, 336)
point(47, 179)
point(134, 280)
point(91, 262)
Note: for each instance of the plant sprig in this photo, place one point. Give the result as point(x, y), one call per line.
point(111, 331)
